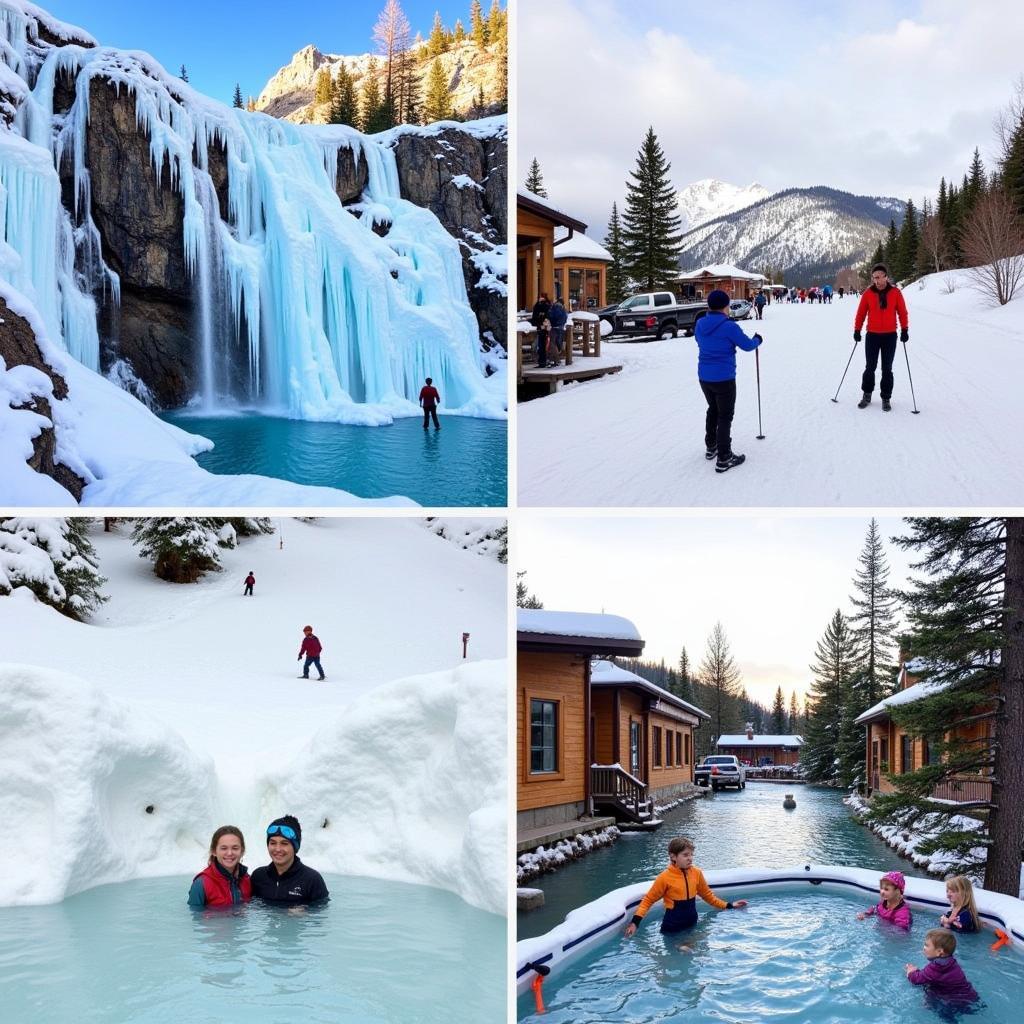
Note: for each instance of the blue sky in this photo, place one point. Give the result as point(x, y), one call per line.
point(222, 43)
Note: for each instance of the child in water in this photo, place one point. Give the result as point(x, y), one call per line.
point(942, 974)
point(963, 914)
point(891, 906)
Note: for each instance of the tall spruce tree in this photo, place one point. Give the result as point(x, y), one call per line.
point(890, 247)
point(794, 727)
point(458, 32)
point(779, 713)
point(651, 224)
point(322, 87)
point(371, 115)
point(344, 107)
point(1011, 172)
point(182, 548)
point(237, 101)
point(436, 41)
point(906, 245)
point(535, 180)
point(477, 28)
point(721, 677)
point(495, 22)
point(685, 690)
point(616, 281)
point(873, 622)
point(967, 635)
point(830, 733)
point(437, 105)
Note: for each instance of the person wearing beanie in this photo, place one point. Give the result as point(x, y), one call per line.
point(882, 305)
point(311, 648)
point(718, 336)
point(286, 881)
point(891, 906)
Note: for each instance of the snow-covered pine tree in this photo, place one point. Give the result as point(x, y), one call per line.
point(252, 526)
point(617, 283)
point(720, 675)
point(967, 635)
point(535, 180)
point(438, 105)
point(237, 101)
point(182, 548)
point(55, 559)
point(651, 224)
point(524, 599)
point(779, 713)
point(827, 735)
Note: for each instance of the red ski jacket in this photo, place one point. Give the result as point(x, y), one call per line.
point(218, 886)
point(882, 321)
point(429, 396)
point(311, 646)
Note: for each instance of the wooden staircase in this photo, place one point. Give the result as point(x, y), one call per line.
point(615, 791)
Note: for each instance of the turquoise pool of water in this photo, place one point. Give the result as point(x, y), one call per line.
point(463, 464)
point(731, 829)
point(791, 956)
point(378, 951)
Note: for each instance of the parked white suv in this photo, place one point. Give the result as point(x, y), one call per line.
point(718, 770)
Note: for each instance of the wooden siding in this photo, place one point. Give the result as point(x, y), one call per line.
point(558, 677)
point(779, 755)
point(668, 774)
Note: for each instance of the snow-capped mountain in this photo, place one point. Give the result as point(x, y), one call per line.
point(807, 232)
point(710, 198)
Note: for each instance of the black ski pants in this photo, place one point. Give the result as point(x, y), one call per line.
point(428, 412)
point(721, 399)
point(875, 345)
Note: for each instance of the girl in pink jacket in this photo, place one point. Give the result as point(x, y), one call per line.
point(891, 906)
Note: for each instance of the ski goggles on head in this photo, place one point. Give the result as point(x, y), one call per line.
point(283, 830)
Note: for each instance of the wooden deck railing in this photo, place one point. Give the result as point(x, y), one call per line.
point(612, 784)
point(582, 338)
point(963, 791)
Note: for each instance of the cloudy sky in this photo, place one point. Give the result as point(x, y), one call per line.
point(774, 583)
point(873, 98)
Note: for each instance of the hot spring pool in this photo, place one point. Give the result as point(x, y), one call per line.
point(464, 464)
point(379, 951)
point(794, 955)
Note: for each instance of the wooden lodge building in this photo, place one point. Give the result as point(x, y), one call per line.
point(581, 268)
point(580, 719)
point(698, 284)
point(890, 751)
point(759, 751)
point(536, 221)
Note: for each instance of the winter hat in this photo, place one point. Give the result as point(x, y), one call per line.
point(897, 879)
point(307, 629)
point(291, 823)
point(718, 299)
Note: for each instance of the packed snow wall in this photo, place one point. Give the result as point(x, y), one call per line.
point(300, 304)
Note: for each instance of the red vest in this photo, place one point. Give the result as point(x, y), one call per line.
point(218, 888)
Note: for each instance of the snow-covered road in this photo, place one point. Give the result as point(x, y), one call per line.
point(637, 439)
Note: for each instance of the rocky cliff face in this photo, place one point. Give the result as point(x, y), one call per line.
point(462, 177)
point(18, 348)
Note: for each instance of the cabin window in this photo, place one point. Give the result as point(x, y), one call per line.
point(657, 746)
point(669, 735)
point(543, 735)
point(634, 747)
point(686, 741)
point(679, 749)
point(906, 755)
point(929, 753)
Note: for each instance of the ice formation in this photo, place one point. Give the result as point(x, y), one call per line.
point(339, 323)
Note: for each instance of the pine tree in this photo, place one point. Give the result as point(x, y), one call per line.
point(55, 559)
point(890, 247)
point(322, 93)
point(651, 225)
point(370, 101)
point(477, 29)
point(906, 245)
point(794, 716)
point(458, 33)
point(502, 53)
point(616, 280)
point(1011, 172)
point(967, 634)
point(438, 104)
point(535, 180)
point(344, 107)
point(436, 40)
point(251, 104)
point(779, 714)
point(182, 548)
point(252, 526)
point(237, 101)
point(495, 22)
point(408, 109)
point(829, 731)
point(976, 185)
point(524, 599)
point(184, 73)
point(685, 689)
point(720, 675)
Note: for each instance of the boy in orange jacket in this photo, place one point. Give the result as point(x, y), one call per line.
point(679, 885)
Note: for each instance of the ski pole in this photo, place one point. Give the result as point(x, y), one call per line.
point(757, 361)
point(848, 361)
point(915, 410)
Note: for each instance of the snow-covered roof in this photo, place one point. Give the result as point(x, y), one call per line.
point(580, 247)
point(525, 193)
point(760, 741)
point(607, 673)
point(584, 624)
point(907, 696)
point(721, 270)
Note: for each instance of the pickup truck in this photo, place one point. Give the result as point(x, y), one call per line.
point(718, 770)
point(657, 313)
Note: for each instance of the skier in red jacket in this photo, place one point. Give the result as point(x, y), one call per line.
point(430, 398)
point(250, 582)
point(881, 304)
point(311, 648)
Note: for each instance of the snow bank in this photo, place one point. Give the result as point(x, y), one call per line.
point(479, 535)
point(536, 862)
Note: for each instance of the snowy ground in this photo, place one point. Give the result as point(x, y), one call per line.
point(637, 439)
point(186, 697)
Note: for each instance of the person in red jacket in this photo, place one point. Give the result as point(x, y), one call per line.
point(250, 582)
point(430, 399)
point(882, 305)
point(311, 648)
point(224, 882)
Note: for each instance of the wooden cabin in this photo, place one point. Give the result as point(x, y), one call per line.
point(761, 750)
point(737, 283)
point(536, 221)
point(581, 267)
point(554, 652)
point(890, 751)
point(642, 729)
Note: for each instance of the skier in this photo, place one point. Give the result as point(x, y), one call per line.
point(286, 880)
point(882, 305)
point(430, 398)
point(311, 648)
point(759, 304)
point(718, 336)
point(250, 582)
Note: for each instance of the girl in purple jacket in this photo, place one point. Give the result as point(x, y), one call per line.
point(942, 974)
point(891, 906)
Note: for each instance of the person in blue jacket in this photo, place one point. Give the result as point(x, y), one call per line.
point(558, 315)
point(718, 336)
